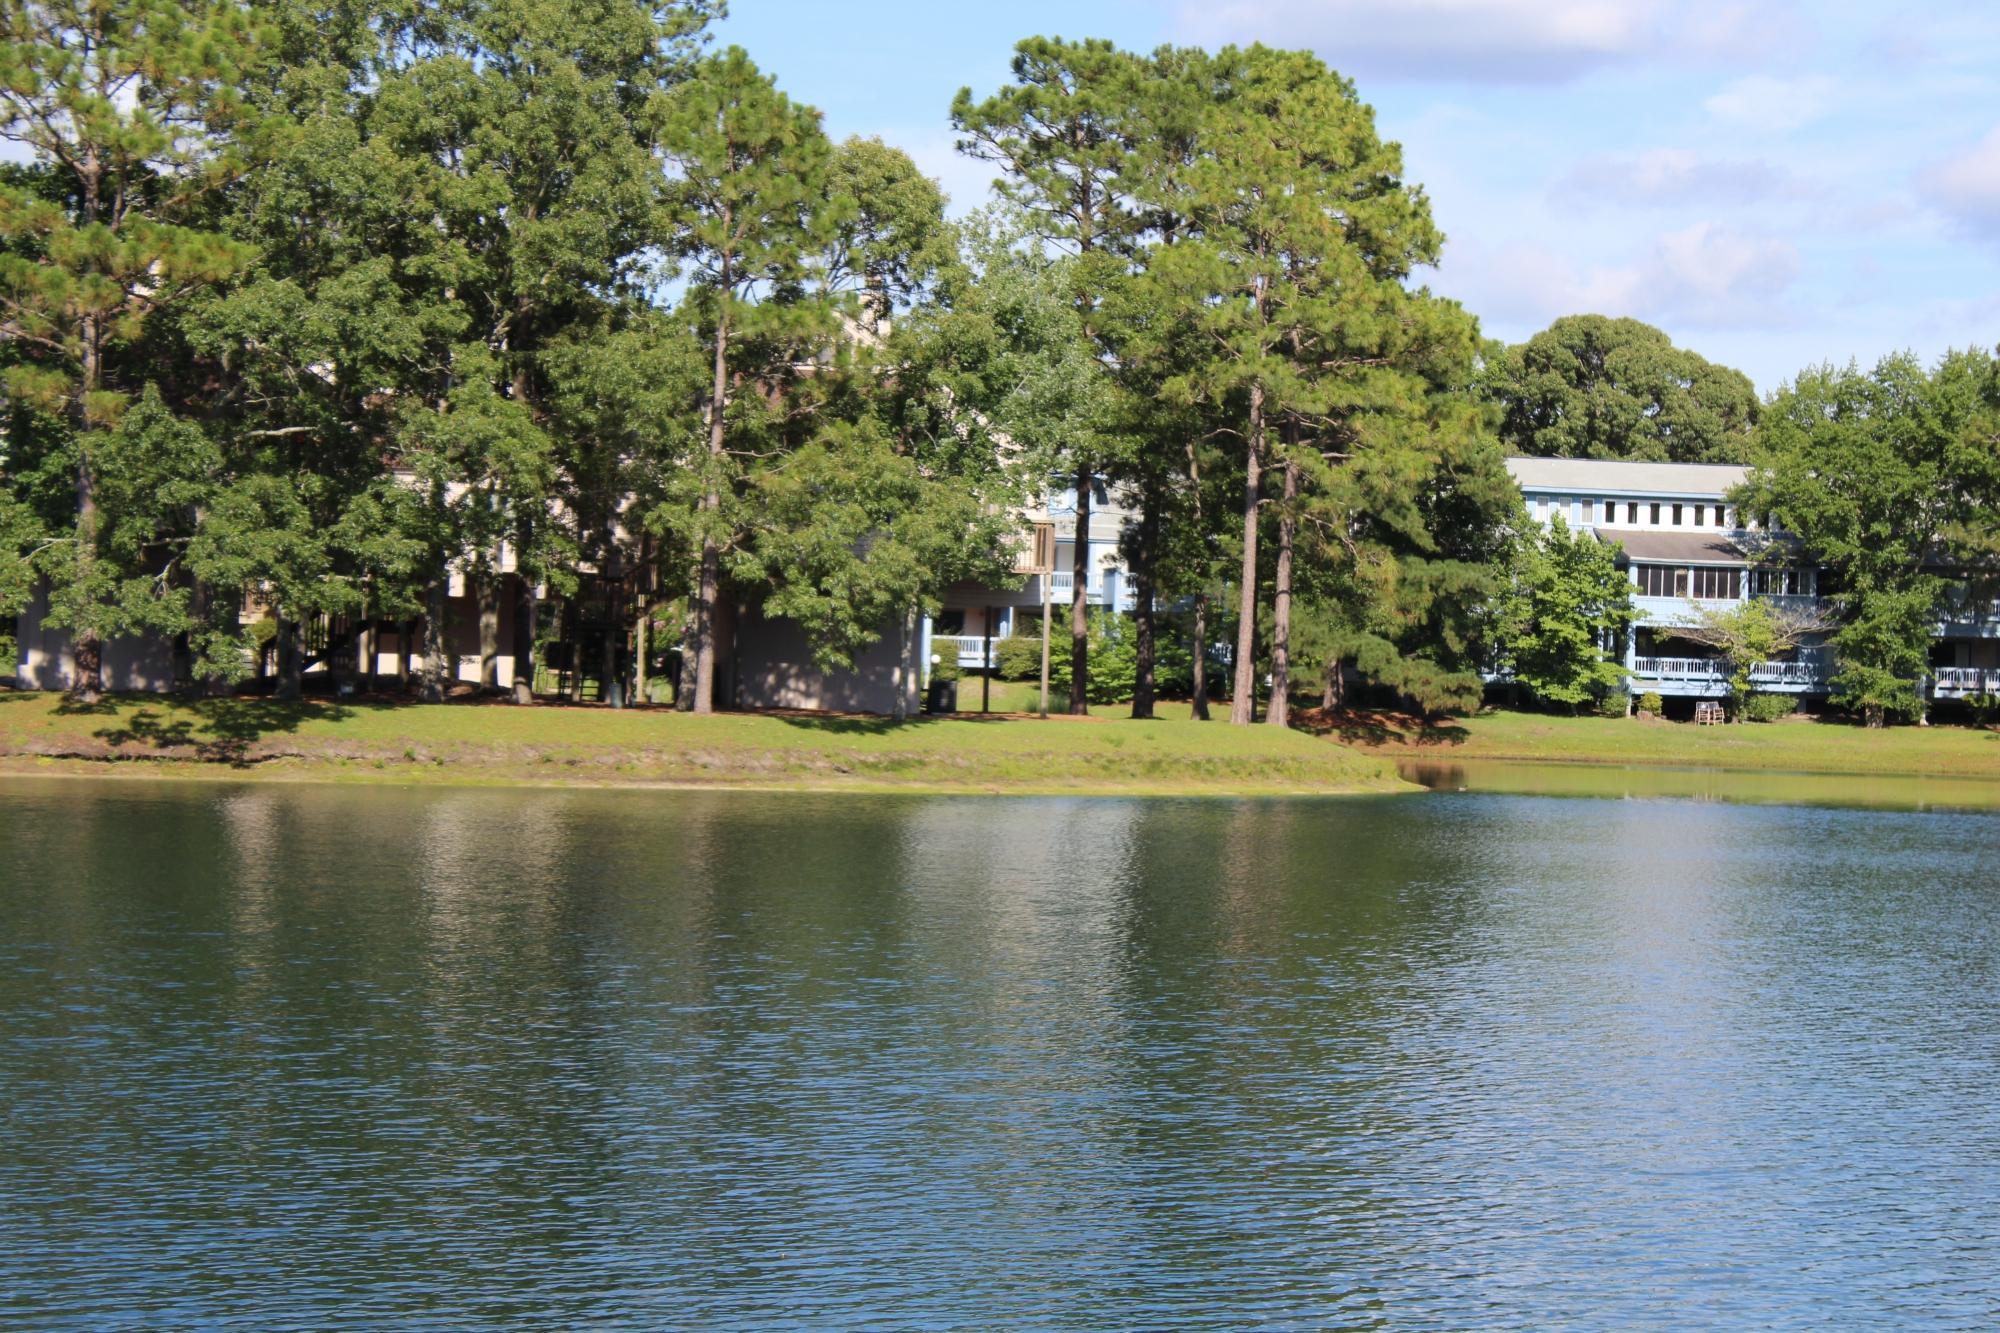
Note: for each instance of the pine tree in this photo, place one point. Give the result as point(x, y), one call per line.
point(1060, 134)
point(748, 205)
point(128, 109)
point(1302, 236)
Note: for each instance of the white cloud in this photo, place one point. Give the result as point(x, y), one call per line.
point(1967, 186)
point(1677, 175)
point(1765, 102)
point(1703, 276)
point(1492, 41)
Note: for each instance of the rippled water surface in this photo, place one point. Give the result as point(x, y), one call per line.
point(285, 1057)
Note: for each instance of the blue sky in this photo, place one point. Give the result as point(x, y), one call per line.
point(1775, 184)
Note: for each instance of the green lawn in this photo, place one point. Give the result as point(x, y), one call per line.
point(1798, 745)
point(499, 743)
point(1024, 696)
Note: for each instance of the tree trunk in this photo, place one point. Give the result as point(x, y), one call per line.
point(1874, 716)
point(1243, 696)
point(184, 654)
point(610, 681)
point(1280, 712)
point(711, 502)
point(1142, 609)
point(489, 634)
point(1334, 694)
point(524, 635)
point(906, 665)
point(642, 647)
point(1201, 657)
point(405, 631)
point(435, 679)
point(1079, 600)
point(290, 659)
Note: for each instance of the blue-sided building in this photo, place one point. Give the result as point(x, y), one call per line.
point(1685, 548)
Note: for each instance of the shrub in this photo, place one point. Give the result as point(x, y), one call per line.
point(1652, 703)
point(7, 664)
point(1985, 709)
point(944, 659)
point(1019, 656)
point(1113, 657)
point(1768, 707)
point(1611, 705)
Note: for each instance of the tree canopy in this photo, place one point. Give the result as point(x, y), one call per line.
point(1886, 477)
point(1590, 386)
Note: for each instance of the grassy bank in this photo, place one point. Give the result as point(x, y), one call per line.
point(1797, 745)
point(480, 743)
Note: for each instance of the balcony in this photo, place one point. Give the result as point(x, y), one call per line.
point(1708, 678)
point(1963, 682)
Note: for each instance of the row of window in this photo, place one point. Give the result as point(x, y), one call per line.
point(1708, 583)
point(1655, 513)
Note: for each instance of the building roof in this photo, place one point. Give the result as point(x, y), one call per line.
point(1680, 548)
point(1607, 476)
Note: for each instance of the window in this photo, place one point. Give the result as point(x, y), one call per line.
point(1698, 510)
point(1654, 517)
point(1776, 582)
point(1720, 521)
point(1662, 580)
point(1632, 514)
point(1677, 515)
point(1718, 584)
point(1610, 511)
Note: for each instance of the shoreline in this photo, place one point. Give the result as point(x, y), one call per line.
point(321, 773)
point(558, 747)
point(553, 747)
point(1802, 747)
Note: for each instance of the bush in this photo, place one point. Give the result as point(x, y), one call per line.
point(7, 664)
point(1611, 705)
point(1019, 656)
point(1985, 709)
point(944, 659)
point(1768, 707)
point(1652, 704)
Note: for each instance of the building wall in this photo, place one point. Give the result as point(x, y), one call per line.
point(139, 664)
point(773, 668)
point(144, 664)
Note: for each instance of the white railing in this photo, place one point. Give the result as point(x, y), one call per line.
point(1062, 585)
point(1954, 681)
point(1679, 668)
point(1713, 669)
point(970, 650)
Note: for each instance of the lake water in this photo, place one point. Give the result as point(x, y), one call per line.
point(283, 1057)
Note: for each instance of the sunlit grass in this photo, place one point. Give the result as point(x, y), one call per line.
point(1801, 745)
point(466, 742)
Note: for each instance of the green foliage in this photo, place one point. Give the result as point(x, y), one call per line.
point(1593, 387)
point(1566, 609)
point(1651, 704)
point(1748, 633)
point(1113, 657)
point(1767, 707)
point(133, 116)
point(944, 665)
point(1876, 472)
point(1018, 656)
